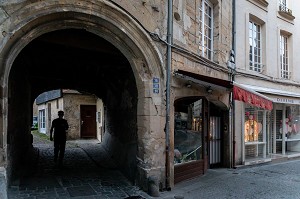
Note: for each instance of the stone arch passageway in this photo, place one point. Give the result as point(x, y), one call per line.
point(100, 51)
point(80, 60)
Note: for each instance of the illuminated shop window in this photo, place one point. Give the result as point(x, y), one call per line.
point(253, 124)
point(288, 129)
point(256, 133)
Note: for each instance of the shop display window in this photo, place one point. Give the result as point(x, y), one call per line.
point(256, 131)
point(288, 125)
point(188, 132)
point(253, 124)
point(292, 122)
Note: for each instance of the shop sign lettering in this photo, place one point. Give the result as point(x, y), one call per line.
point(286, 101)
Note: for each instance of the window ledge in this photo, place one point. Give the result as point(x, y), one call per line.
point(262, 2)
point(286, 13)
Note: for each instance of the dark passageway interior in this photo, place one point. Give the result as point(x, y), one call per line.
point(79, 60)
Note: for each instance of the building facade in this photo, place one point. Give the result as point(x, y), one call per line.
point(84, 113)
point(267, 65)
point(167, 116)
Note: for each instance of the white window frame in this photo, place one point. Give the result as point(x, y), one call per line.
point(42, 120)
point(284, 6)
point(255, 52)
point(283, 3)
point(206, 37)
point(284, 58)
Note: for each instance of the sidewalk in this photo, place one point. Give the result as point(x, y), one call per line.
point(264, 181)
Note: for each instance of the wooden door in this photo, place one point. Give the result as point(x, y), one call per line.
point(88, 121)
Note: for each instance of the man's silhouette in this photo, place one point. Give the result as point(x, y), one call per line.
point(60, 127)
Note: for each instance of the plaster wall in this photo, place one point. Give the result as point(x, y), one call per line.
point(273, 24)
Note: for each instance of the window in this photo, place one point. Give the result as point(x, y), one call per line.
point(284, 10)
point(284, 62)
point(255, 51)
point(206, 29)
point(284, 7)
point(256, 133)
point(42, 120)
point(287, 130)
point(188, 131)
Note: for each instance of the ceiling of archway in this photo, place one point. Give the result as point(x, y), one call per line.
point(73, 59)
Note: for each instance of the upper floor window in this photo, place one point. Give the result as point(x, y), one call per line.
point(255, 51)
point(284, 10)
point(284, 61)
point(206, 29)
point(283, 6)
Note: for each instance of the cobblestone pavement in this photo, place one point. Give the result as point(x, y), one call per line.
point(87, 173)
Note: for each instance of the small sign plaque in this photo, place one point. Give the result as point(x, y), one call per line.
point(155, 85)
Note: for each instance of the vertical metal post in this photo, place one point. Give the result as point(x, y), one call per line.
point(243, 134)
point(274, 129)
point(232, 110)
point(168, 68)
point(283, 129)
point(265, 133)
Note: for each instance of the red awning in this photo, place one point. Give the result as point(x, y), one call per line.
point(251, 97)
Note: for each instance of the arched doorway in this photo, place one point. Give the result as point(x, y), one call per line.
point(132, 57)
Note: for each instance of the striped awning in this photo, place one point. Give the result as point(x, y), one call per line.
point(252, 97)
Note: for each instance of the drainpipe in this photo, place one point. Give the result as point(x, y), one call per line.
point(233, 78)
point(168, 68)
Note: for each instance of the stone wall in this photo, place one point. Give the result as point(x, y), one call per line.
point(130, 26)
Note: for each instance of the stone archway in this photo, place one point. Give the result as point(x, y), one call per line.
point(111, 23)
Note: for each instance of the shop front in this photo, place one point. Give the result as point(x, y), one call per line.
point(256, 130)
point(286, 126)
point(189, 133)
point(201, 122)
point(270, 125)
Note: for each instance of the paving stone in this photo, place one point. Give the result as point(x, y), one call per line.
point(81, 177)
point(81, 191)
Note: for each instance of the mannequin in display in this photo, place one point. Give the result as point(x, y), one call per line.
point(252, 129)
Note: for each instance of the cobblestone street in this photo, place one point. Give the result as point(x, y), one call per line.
point(87, 173)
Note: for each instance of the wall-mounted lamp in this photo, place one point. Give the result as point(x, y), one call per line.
point(209, 90)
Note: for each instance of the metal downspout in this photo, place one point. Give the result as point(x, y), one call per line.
point(233, 79)
point(168, 68)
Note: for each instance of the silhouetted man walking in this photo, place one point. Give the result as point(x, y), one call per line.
point(60, 127)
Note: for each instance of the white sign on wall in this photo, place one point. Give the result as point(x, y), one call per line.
point(286, 100)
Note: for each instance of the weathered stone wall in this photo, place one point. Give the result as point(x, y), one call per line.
point(121, 126)
point(187, 27)
point(186, 56)
point(127, 24)
point(18, 122)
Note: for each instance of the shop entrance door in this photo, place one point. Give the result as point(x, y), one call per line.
point(215, 141)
